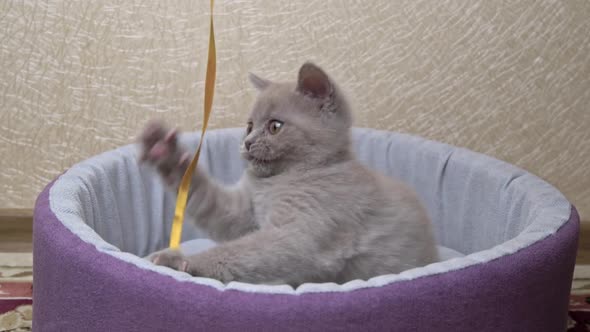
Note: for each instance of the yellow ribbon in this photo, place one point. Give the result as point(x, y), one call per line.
point(183, 189)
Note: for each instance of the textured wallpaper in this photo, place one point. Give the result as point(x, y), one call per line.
point(507, 78)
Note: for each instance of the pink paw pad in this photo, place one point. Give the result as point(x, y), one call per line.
point(159, 151)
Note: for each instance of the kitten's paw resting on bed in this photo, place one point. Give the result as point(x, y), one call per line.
point(171, 258)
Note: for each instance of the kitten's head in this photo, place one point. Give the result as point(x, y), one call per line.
point(298, 123)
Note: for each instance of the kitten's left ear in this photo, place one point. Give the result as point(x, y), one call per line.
point(313, 81)
point(258, 82)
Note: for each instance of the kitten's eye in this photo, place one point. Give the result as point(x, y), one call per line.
point(249, 128)
point(274, 126)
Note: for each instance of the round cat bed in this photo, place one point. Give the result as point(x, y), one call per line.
point(515, 234)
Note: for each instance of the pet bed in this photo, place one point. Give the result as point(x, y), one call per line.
point(510, 237)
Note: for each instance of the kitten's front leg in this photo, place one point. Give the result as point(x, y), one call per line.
point(225, 213)
point(287, 255)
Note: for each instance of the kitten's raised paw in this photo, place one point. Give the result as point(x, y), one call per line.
point(158, 142)
point(159, 147)
point(173, 259)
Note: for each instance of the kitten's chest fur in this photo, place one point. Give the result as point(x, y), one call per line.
point(338, 193)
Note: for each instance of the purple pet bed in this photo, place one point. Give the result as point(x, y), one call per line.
point(509, 241)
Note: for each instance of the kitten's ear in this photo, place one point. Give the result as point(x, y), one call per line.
point(258, 82)
point(313, 81)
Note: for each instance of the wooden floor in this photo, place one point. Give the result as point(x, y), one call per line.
point(16, 230)
point(584, 244)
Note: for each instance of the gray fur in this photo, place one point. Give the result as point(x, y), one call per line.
point(305, 209)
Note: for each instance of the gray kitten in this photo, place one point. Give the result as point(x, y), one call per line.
point(305, 210)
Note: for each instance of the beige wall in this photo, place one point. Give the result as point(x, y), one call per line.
point(506, 78)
